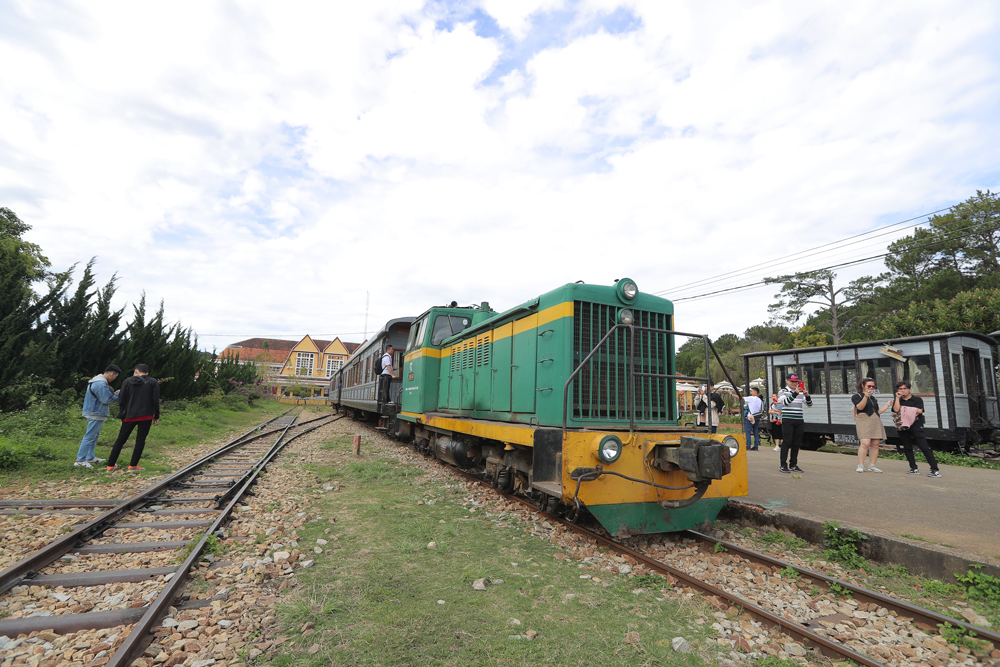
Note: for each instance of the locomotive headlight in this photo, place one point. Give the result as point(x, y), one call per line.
point(626, 316)
point(629, 290)
point(610, 449)
point(733, 444)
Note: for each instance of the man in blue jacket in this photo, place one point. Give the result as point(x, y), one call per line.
point(97, 400)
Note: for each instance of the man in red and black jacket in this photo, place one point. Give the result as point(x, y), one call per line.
point(139, 407)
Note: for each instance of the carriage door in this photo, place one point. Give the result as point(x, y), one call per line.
point(974, 387)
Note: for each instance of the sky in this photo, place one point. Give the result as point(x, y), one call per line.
point(267, 169)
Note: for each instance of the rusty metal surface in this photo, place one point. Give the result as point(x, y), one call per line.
point(859, 593)
point(131, 547)
point(163, 524)
point(99, 577)
point(798, 632)
point(66, 623)
point(61, 502)
point(133, 643)
point(42, 512)
point(13, 574)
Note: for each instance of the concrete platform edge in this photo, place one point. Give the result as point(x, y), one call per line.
point(926, 560)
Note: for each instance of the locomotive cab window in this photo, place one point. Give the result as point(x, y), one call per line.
point(448, 325)
point(416, 334)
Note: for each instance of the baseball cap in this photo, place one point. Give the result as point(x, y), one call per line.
point(793, 377)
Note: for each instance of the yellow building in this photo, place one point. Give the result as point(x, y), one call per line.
point(311, 363)
point(308, 363)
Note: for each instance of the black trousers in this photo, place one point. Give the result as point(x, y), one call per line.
point(385, 381)
point(140, 441)
point(915, 436)
point(793, 432)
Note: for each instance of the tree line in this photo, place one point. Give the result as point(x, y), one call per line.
point(55, 336)
point(942, 277)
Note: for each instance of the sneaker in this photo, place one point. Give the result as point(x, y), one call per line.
point(934, 473)
point(83, 464)
point(873, 469)
point(797, 469)
point(97, 460)
point(913, 471)
point(135, 469)
point(112, 468)
point(860, 469)
point(777, 448)
point(783, 469)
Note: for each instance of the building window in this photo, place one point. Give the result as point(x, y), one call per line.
point(304, 363)
point(332, 365)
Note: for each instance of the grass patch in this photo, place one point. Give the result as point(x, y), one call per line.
point(784, 540)
point(924, 539)
point(41, 443)
point(374, 595)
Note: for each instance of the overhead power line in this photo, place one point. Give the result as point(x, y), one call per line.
point(802, 254)
point(833, 266)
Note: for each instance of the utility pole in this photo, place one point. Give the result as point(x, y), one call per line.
point(367, 297)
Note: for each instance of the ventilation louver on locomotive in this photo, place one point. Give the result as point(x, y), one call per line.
point(601, 390)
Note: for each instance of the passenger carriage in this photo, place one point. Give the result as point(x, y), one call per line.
point(953, 372)
point(354, 387)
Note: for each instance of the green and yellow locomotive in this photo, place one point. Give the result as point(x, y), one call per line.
point(569, 398)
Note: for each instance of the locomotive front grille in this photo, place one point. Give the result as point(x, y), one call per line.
point(601, 390)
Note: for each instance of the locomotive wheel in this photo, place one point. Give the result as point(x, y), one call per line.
point(552, 505)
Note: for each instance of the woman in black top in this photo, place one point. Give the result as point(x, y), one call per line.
point(871, 432)
point(914, 434)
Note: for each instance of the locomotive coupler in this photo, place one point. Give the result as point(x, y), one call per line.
point(701, 459)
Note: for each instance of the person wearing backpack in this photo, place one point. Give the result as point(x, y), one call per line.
point(387, 375)
point(97, 402)
point(140, 409)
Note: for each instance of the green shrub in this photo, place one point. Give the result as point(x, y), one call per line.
point(11, 458)
point(842, 545)
point(43, 452)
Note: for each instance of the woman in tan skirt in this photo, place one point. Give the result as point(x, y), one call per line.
point(870, 429)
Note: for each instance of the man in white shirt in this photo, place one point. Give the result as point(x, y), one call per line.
point(388, 374)
point(754, 413)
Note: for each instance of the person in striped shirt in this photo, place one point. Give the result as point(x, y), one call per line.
point(792, 421)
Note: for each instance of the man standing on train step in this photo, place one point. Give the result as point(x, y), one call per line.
point(792, 421)
point(387, 375)
point(139, 401)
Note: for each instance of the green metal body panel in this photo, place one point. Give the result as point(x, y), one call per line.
point(521, 378)
point(501, 372)
point(523, 372)
point(642, 518)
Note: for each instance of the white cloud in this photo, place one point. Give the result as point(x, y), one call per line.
point(243, 162)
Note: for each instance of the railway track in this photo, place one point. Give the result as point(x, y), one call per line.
point(826, 634)
point(192, 505)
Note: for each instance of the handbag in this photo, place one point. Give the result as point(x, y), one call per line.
point(897, 421)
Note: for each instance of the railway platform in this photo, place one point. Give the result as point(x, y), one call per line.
point(935, 526)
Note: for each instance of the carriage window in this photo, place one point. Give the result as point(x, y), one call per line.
point(448, 325)
point(917, 371)
point(879, 370)
point(779, 377)
point(956, 373)
point(843, 377)
point(989, 377)
point(813, 377)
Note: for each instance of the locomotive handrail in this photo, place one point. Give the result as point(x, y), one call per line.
point(632, 373)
